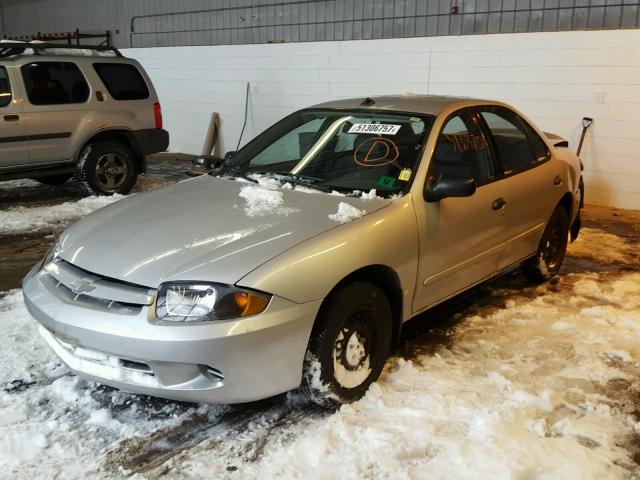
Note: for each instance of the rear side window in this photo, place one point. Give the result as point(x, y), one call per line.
point(5, 88)
point(462, 151)
point(540, 150)
point(123, 81)
point(54, 83)
point(511, 140)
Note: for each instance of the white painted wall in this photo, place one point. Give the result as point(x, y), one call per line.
point(554, 78)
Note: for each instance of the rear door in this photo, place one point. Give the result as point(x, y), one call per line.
point(14, 143)
point(461, 239)
point(58, 96)
point(533, 181)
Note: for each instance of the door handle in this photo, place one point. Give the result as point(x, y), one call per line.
point(558, 181)
point(11, 118)
point(99, 96)
point(498, 204)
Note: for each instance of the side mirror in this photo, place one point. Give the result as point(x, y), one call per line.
point(205, 163)
point(444, 186)
point(229, 155)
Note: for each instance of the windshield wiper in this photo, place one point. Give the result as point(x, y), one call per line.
point(301, 179)
point(234, 172)
point(297, 179)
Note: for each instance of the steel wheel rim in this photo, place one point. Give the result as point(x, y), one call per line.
point(352, 350)
point(111, 171)
point(552, 248)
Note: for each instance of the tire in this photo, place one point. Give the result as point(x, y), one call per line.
point(552, 248)
point(334, 373)
point(54, 180)
point(106, 168)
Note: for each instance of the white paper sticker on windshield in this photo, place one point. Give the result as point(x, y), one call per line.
point(375, 128)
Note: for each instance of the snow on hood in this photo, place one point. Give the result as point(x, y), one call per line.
point(208, 228)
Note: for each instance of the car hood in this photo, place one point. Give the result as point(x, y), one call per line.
point(205, 229)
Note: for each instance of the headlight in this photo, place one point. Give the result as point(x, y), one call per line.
point(205, 302)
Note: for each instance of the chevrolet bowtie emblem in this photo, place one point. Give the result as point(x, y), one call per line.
point(81, 285)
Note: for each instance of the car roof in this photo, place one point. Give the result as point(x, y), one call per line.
point(415, 103)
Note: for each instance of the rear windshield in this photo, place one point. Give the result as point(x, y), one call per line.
point(123, 81)
point(339, 149)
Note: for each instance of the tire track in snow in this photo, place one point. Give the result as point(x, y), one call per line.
point(247, 428)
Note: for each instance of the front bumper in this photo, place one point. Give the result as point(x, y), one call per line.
point(221, 362)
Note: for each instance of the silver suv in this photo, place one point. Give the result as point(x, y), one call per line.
point(76, 110)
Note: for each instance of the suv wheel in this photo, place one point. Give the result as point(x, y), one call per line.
point(552, 248)
point(348, 346)
point(106, 168)
point(54, 180)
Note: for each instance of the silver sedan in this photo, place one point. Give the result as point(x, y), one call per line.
point(296, 261)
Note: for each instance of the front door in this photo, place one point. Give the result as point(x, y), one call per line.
point(461, 239)
point(14, 143)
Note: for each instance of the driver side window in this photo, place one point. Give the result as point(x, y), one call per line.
point(462, 151)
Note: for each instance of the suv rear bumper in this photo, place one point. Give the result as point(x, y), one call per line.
point(151, 140)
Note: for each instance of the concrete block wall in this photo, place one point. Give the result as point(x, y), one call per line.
point(554, 78)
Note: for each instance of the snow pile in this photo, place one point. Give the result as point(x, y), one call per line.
point(263, 201)
point(603, 247)
point(346, 213)
point(55, 424)
point(83, 52)
point(269, 181)
point(44, 219)
point(370, 195)
point(512, 396)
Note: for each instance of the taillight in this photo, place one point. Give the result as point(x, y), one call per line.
point(157, 112)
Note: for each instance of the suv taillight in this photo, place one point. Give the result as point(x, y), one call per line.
point(157, 112)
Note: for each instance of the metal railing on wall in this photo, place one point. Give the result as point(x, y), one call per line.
point(306, 20)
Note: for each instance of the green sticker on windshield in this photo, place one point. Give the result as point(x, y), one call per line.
point(386, 182)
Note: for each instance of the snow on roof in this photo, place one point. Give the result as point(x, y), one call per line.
point(82, 52)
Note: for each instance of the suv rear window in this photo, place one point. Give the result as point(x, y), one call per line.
point(123, 81)
point(54, 83)
point(5, 88)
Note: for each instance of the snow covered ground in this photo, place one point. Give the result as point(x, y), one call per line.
point(523, 383)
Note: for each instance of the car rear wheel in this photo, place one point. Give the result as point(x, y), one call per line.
point(349, 345)
point(54, 180)
point(552, 248)
point(106, 168)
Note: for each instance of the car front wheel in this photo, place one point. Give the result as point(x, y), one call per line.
point(552, 248)
point(106, 168)
point(349, 345)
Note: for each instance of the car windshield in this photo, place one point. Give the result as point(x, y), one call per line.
point(337, 150)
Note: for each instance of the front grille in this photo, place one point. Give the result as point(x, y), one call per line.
point(78, 286)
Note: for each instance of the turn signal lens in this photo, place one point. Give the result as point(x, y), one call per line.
point(249, 304)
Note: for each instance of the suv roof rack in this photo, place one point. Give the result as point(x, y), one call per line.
point(9, 49)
